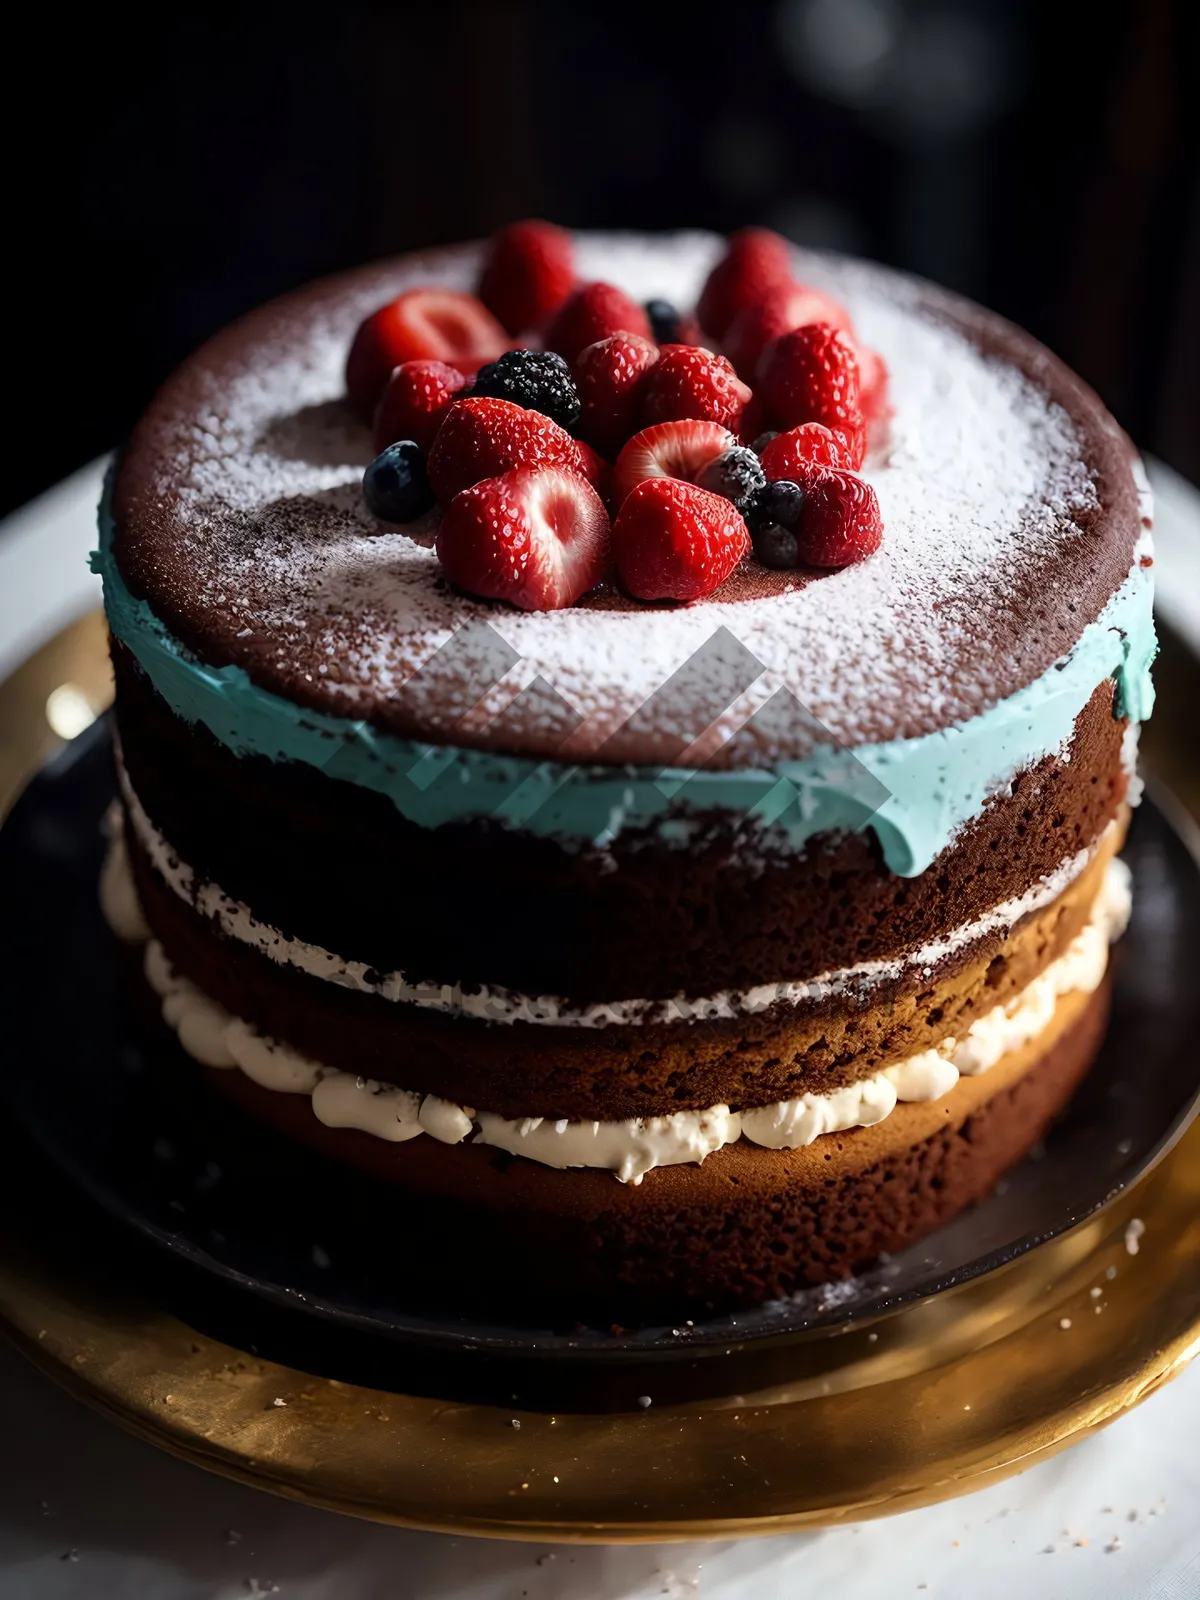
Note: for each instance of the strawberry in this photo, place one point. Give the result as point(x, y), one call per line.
point(593, 312)
point(794, 454)
point(873, 384)
point(778, 312)
point(840, 522)
point(668, 450)
point(689, 381)
point(811, 375)
point(536, 539)
point(481, 438)
point(610, 375)
point(675, 541)
point(594, 468)
point(415, 401)
point(419, 325)
point(528, 271)
point(755, 262)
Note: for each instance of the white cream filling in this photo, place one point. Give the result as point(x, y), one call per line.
point(631, 1148)
point(235, 920)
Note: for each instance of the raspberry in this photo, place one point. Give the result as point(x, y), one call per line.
point(688, 381)
point(755, 262)
point(419, 325)
point(674, 541)
point(591, 313)
point(610, 376)
point(539, 380)
point(484, 438)
point(811, 375)
point(793, 454)
point(539, 540)
point(841, 521)
point(528, 271)
point(778, 312)
point(415, 401)
point(668, 450)
point(873, 384)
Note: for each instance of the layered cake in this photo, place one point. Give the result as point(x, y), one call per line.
point(623, 744)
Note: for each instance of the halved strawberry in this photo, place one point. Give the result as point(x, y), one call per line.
point(594, 468)
point(668, 450)
point(419, 325)
point(528, 271)
point(778, 312)
point(610, 375)
point(484, 437)
point(811, 375)
point(841, 522)
point(689, 381)
point(755, 262)
point(675, 541)
point(416, 399)
point(536, 539)
point(794, 454)
point(594, 312)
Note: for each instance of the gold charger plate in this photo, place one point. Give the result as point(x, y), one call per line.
point(941, 1398)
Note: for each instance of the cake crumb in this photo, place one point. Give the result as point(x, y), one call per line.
point(1064, 1323)
point(516, 1422)
point(1113, 1545)
point(644, 1401)
point(279, 1401)
point(1134, 1230)
point(1095, 1292)
point(1111, 1273)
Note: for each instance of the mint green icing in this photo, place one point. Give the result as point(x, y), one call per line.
point(914, 793)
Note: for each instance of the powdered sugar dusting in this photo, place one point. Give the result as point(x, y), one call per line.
point(257, 466)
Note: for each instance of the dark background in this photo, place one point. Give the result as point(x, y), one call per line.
point(173, 168)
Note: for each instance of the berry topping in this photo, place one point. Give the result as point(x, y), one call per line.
point(776, 547)
point(536, 539)
point(610, 374)
point(539, 380)
point(482, 438)
point(841, 522)
point(779, 502)
point(797, 452)
point(756, 262)
point(670, 326)
point(592, 313)
point(675, 541)
point(811, 375)
point(528, 271)
point(419, 325)
point(415, 401)
point(873, 384)
point(688, 381)
point(737, 474)
point(789, 306)
point(395, 485)
point(669, 450)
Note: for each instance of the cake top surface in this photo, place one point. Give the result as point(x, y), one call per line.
point(1009, 507)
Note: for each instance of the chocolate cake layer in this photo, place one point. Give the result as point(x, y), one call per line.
point(1009, 503)
point(748, 1225)
point(621, 1070)
point(478, 903)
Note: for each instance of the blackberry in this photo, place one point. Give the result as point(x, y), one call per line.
point(776, 547)
point(395, 485)
point(737, 474)
point(777, 504)
point(664, 321)
point(539, 380)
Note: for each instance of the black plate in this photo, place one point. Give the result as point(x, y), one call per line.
point(245, 1209)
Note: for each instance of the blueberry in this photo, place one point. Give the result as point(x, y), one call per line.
point(664, 321)
point(395, 485)
point(763, 440)
point(776, 547)
point(539, 380)
point(737, 474)
point(778, 504)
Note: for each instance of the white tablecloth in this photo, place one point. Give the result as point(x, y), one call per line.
point(89, 1514)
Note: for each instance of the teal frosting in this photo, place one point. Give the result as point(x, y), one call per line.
point(914, 793)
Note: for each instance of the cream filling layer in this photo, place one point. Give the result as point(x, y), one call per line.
point(235, 920)
point(630, 1149)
